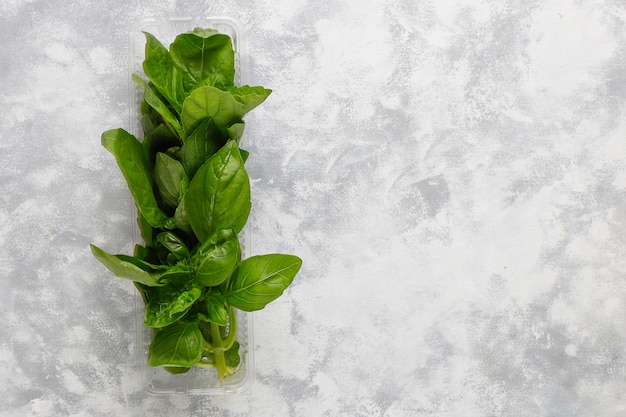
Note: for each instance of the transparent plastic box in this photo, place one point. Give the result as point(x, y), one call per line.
point(198, 380)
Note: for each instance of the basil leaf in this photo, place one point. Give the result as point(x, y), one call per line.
point(146, 231)
point(168, 305)
point(181, 217)
point(178, 274)
point(178, 345)
point(216, 310)
point(130, 268)
point(216, 258)
point(161, 69)
point(146, 292)
point(159, 139)
point(224, 107)
point(136, 168)
point(203, 142)
point(150, 119)
point(189, 166)
point(151, 97)
point(170, 178)
point(174, 244)
point(244, 154)
point(235, 131)
point(177, 370)
point(249, 97)
point(231, 356)
point(218, 196)
point(259, 280)
point(147, 254)
point(142, 253)
point(204, 55)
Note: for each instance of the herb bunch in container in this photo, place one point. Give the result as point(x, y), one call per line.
point(192, 192)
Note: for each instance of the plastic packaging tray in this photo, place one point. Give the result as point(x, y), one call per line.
point(198, 380)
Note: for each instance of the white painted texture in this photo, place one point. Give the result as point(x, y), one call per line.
point(451, 172)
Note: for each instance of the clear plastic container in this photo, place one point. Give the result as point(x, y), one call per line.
point(198, 380)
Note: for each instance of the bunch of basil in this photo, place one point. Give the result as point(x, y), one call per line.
point(192, 193)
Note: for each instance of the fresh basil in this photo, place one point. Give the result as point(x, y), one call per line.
point(137, 170)
point(224, 107)
point(160, 106)
point(216, 258)
point(170, 304)
point(158, 140)
point(174, 244)
point(204, 55)
point(231, 356)
point(179, 345)
point(164, 74)
point(235, 131)
point(216, 310)
point(203, 142)
point(248, 97)
point(218, 196)
point(127, 267)
point(170, 178)
point(192, 192)
point(260, 279)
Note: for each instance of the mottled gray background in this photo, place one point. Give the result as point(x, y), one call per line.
point(452, 172)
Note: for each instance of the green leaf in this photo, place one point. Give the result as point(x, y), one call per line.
point(147, 231)
point(235, 131)
point(209, 102)
point(177, 370)
point(158, 140)
point(150, 119)
point(174, 244)
point(249, 97)
point(216, 310)
point(169, 304)
point(136, 168)
point(181, 217)
point(178, 345)
point(244, 154)
point(142, 253)
point(145, 291)
point(130, 268)
point(156, 102)
point(161, 69)
point(178, 274)
point(231, 356)
point(202, 56)
point(261, 279)
point(170, 178)
point(218, 196)
point(224, 107)
point(216, 258)
point(203, 142)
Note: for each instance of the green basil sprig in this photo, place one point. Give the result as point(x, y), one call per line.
point(192, 192)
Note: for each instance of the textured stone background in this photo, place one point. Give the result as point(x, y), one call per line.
point(452, 173)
